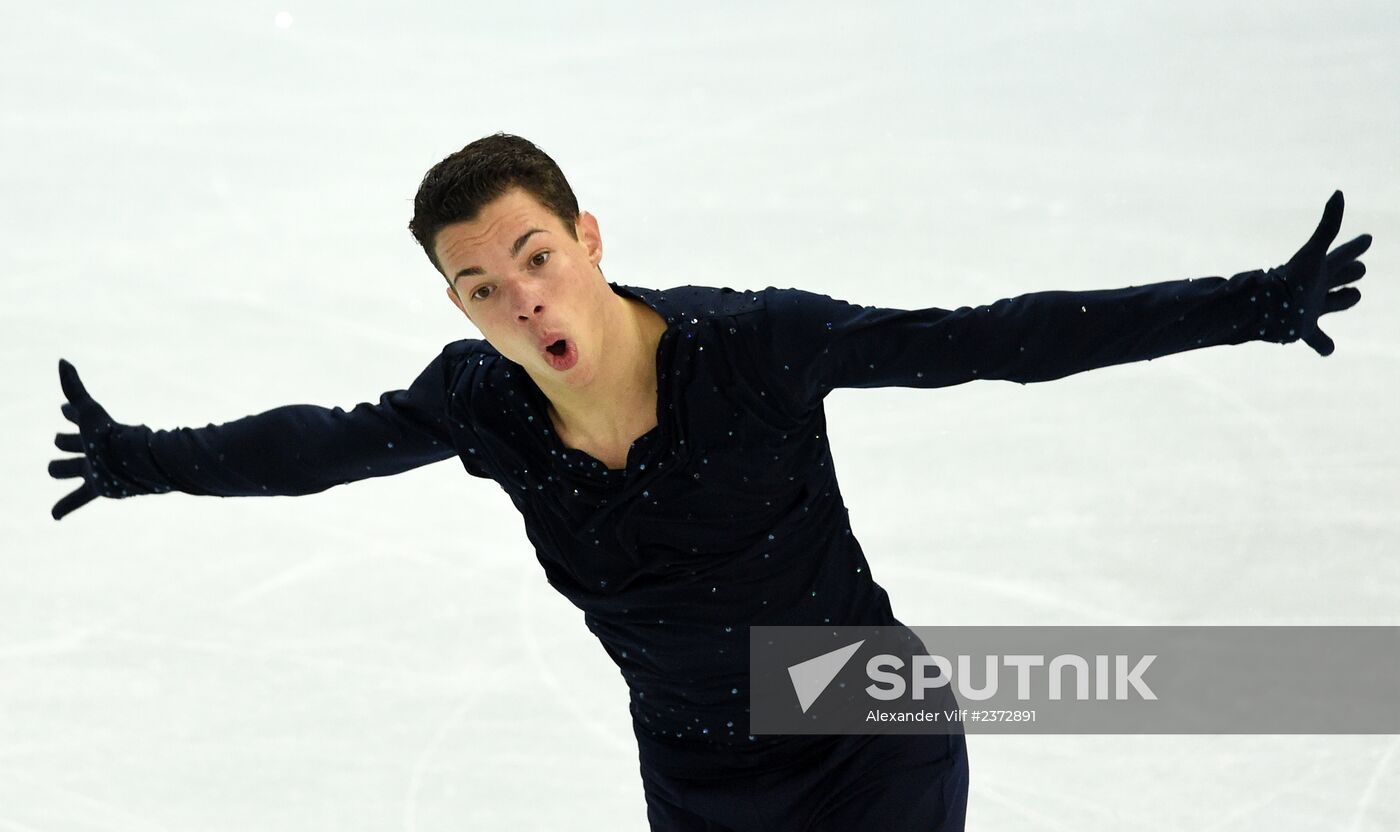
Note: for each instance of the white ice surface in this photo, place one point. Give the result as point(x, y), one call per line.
point(206, 213)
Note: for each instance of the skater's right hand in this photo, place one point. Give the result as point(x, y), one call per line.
point(95, 431)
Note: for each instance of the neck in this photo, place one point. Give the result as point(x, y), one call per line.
point(612, 408)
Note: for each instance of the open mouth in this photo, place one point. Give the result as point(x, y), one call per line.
point(562, 354)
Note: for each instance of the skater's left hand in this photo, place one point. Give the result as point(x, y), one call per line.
point(1314, 281)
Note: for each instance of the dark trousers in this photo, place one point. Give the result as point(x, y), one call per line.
point(841, 783)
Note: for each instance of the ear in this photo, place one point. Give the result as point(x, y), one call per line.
point(456, 301)
point(586, 227)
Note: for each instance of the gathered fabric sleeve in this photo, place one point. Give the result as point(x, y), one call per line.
point(816, 343)
point(301, 448)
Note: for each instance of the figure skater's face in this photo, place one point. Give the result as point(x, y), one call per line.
point(534, 291)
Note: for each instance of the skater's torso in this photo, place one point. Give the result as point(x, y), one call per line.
point(723, 515)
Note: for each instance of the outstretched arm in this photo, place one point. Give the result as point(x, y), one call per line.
point(819, 343)
point(290, 450)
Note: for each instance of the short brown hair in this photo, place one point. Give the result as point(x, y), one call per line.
point(458, 187)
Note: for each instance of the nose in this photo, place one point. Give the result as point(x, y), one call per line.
point(528, 302)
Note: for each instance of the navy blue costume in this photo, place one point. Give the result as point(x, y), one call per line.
point(727, 514)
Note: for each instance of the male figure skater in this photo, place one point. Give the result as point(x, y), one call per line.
point(668, 451)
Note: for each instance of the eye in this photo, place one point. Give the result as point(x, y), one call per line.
point(477, 294)
point(544, 253)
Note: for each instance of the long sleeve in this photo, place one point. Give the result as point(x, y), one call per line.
point(297, 449)
point(816, 343)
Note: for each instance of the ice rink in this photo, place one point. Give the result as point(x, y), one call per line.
point(205, 210)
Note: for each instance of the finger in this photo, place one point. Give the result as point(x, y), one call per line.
point(1319, 341)
point(1341, 299)
point(71, 442)
point(1349, 273)
point(75, 466)
point(74, 500)
point(1329, 226)
point(70, 413)
point(72, 386)
point(1349, 250)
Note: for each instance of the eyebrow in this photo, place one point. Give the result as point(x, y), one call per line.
point(514, 250)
